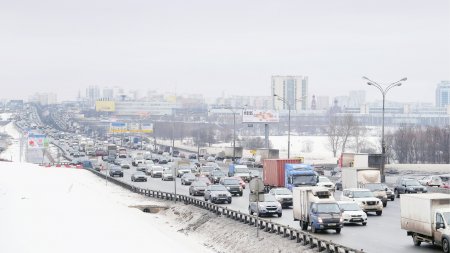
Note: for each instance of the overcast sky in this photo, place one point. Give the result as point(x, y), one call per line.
point(233, 46)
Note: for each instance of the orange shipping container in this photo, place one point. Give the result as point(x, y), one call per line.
point(274, 175)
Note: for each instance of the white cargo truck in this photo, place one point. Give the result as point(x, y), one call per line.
point(357, 177)
point(426, 217)
point(316, 207)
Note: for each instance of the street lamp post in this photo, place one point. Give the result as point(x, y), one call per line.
point(289, 122)
point(383, 93)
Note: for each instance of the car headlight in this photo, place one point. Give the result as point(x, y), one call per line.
point(261, 207)
point(424, 190)
point(410, 189)
point(363, 202)
point(341, 220)
point(228, 188)
point(240, 188)
point(319, 220)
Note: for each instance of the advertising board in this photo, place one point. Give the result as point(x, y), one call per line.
point(260, 116)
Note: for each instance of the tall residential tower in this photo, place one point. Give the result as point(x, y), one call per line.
point(293, 89)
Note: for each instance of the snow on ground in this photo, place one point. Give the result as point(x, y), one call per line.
point(5, 116)
point(70, 210)
point(13, 151)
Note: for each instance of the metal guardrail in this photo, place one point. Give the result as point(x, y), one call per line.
point(268, 226)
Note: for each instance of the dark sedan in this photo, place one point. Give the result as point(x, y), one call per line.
point(115, 171)
point(215, 176)
point(139, 177)
point(187, 179)
point(197, 188)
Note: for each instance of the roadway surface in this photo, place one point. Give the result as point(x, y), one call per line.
point(382, 233)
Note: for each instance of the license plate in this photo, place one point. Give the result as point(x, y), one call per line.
point(332, 224)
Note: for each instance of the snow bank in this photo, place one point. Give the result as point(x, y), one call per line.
point(13, 151)
point(69, 210)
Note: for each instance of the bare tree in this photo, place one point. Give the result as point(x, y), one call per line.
point(334, 136)
point(346, 128)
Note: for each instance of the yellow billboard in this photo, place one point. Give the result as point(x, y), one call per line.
point(105, 106)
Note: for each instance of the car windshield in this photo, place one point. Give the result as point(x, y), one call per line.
point(168, 172)
point(241, 170)
point(139, 174)
point(157, 168)
point(199, 184)
point(304, 180)
point(282, 191)
point(230, 181)
point(446, 217)
point(362, 194)
point(412, 183)
point(207, 169)
point(218, 187)
point(324, 180)
point(375, 187)
point(328, 208)
point(350, 207)
point(218, 173)
point(269, 198)
point(189, 176)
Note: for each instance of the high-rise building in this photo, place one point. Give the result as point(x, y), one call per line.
point(443, 94)
point(357, 98)
point(92, 93)
point(293, 89)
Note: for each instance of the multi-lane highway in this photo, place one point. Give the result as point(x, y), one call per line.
point(382, 233)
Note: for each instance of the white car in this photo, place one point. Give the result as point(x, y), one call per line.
point(352, 213)
point(167, 175)
point(365, 199)
point(156, 171)
point(325, 182)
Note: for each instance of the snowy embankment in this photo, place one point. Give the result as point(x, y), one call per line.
point(69, 210)
point(13, 151)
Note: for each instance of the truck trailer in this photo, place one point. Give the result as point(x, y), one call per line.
point(316, 207)
point(426, 218)
point(288, 173)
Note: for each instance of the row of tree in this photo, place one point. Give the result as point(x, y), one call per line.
point(415, 144)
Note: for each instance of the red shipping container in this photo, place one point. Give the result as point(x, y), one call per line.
point(274, 171)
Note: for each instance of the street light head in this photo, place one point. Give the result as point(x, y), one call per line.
point(369, 83)
point(275, 95)
point(399, 84)
point(365, 78)
point(404, 79)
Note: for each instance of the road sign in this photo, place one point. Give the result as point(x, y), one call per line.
point(257, 185)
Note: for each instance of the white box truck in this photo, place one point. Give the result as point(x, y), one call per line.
point(357, 177)
point(426, 217)
point(316, 207)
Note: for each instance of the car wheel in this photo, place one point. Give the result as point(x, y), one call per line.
point(379, 212)
point(240, 194)
point(250, 211)
point(338, 230)
point(445, 246)
point(280, 214)
point(229, 201)
point(417, 242)
point(392, 198)
point(384, 204)
point(396, 193)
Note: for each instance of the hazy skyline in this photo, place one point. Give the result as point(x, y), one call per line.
point(211, 47)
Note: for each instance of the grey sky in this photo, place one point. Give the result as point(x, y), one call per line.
point(230, 46)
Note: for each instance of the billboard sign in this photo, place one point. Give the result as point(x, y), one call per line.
point(105, 106)
point(37, 141)
point(147, 128)
point(118, 127)
point(260, 116)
